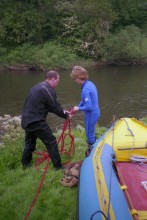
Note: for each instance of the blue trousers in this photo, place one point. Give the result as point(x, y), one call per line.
point(91, 118)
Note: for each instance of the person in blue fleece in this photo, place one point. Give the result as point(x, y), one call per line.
point(89, 103)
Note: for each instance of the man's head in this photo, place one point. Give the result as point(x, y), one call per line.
point(79, 74)
point(52, 77)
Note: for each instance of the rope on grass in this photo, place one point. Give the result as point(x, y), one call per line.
point(44, 156)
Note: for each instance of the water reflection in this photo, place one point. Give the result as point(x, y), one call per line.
point(122, 92)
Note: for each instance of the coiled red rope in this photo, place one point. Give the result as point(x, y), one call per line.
point(65, 148)
point(44, 156)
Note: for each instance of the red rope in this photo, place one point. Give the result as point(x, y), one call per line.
point(62, 138)
point(44, 156)
point(66, 133)
point(37, 192)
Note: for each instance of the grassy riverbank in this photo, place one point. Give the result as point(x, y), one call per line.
point(50, 55)
point(53, 55)
point(18, 186)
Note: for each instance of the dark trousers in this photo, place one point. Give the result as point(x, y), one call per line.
point(44, 133)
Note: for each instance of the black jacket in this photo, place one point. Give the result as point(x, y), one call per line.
point(40, 100)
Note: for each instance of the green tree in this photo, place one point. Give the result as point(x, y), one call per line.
point(27, 22)
point(86, 25)
point(82, 25)
point(129, 12)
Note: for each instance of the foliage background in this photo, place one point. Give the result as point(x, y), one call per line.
point(100, 30)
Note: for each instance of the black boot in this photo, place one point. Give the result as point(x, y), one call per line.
point(88, 151)
point(26, 159)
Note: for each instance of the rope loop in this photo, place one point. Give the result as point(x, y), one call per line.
point(65, 148)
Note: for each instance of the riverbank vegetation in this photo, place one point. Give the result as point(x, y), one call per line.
point(18, 186)
point(48, 33)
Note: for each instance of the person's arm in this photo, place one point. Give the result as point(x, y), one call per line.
point(52, 103)
point(87, 105)
point(80, 104)
point(58, 109)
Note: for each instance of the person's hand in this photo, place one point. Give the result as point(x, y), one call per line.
point(76, 108)
point(68, 112)
point(70, 115)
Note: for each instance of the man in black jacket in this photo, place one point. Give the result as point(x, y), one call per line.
point(41, 100)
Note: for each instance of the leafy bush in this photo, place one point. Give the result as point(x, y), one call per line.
point(50, 54)
point(128, 43)
point(53, 53)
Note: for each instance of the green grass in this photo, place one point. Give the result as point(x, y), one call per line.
point(18, 187)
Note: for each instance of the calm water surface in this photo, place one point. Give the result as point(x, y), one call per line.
point(122, 92)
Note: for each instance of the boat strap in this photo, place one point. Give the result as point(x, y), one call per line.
point(123, 187)
point(138, 159)
point(134, 211)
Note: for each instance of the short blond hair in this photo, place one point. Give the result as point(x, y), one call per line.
point(78, 72)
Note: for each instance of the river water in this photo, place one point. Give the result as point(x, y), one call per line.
point(122, 92)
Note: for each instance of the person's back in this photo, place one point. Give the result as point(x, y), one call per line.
point(36, 106)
